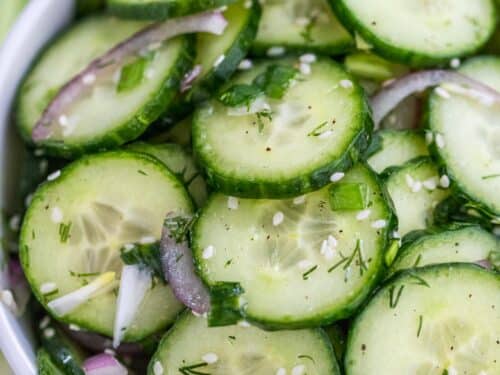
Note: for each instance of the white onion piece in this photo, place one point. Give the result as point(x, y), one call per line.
point(17, 282)
point(65, 304)
point(134, 283)
point(178, 267)
point(210, 22)
point(103, 364)
point(190, 77)
point(392, 94)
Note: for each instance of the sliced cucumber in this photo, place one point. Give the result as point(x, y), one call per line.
point(366, 65)
point(467, 244)
point(420, 32)
point(190, 347)
point(181, 163)
point(78, 222)
point(45, 365)
point(434, 320)
point(161, 9)
point(300, 26)
point(292, 145)
point(391, 148)
point(300, 263)
point(416, 188)
point(471, 156)
point(9, 10)
point(90, 125)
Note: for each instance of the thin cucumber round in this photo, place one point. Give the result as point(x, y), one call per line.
point(434, 320)
point(463, 244)
point(161, 9)
point(191, 347)
point(420, 33)
point(137, 95)
point(9, 10)
point(302, 262)
point(415, 189)
point(80, 219)
point(288, 146)
point(391, 148)
point(466, 136)
point(300, 26)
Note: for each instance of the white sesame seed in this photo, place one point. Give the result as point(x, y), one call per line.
point(47, 288)
point(417, 186)
point(346, 84)
point(363, 215)
point(53, 176)
point(308, 58)
point(39, 152)
point(223, 8)
point(276, 51)
point(233, 203)
point(149, 73)
point(8, 298)
point(28, 200)
point(430, 184)
point(157, 368)
point(63, 120)
point(409, 181)
point(74, 327)
point(49, 332)
point(208, 252)
point(154, 46)
point(302, 21)
point(452, 371)
point(56, 216)
point(396, 234)
point(439, 141)
point(15, 222)
point(444, 181)
point(210, 358)
point(110, 352)
point(219, 60)
point(305, 264)
point(278, 218)
point(147, 240)
point(388, 82)
point(442, 93)
point(326, 250)
point(245, 64)
point(117, 76)
point(337, 176)
point(281, 371)
point(88, 79)
point(198, 315)
point(379, 224)
point(44, 323)
point(248, 4)
point(326, 134)
point(332, 241)
point(455, 63)
point(299, 200)
point(128, 246)
point(429, 137)
point(305, 68)
point(298, 370)
point(244, 324)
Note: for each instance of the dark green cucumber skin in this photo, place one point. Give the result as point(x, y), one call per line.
point(217, 76)
point(160, 10)
point(351, 353)
point(85, 7)
point(391, 52)
point(260, 49)
point(135, 126)
point(339, 314)
point(45, 366)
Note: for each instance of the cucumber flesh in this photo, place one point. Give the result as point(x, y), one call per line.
point(78, 222)
point(191, 347)
point(9, 10)
point(433, 320)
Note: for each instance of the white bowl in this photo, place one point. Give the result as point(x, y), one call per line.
point(39, 22)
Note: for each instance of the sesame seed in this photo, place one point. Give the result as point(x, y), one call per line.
point(362, 215)
point(444, 181)
point(305, 264)
point(157, 368)
point(417, 186)
point(149, 73)
point(210, 358)
point(299, 200)
point(245, 64)
point(278, 218)
point(409, 181)
point(455, 63)
point(281, 371)
point(223, 8)
point(49, 332)
point(63, 120)
point(396, 234)
point(332, 241)
point(388, 82)
point(379, 224)
point(276, 51)
point(337, 176)
point(302, 21)
point(53, 176)
point(74, 327)
point(39, 152)
point(110, 352)
point(326, 250)
point(298, 370)
point(430, 184)
point(429, 138)
point(128, 246)
point(49, 287)
point(117, 76)
point(208, 252)
point(305, 68)
point(219, 60)
point(198, 315)
point(154, 46)
point(44, 323)
point(56, 216)
point(147, 240)
point(452, 371)
point(439, 141)
point(326, 134)
point(233, 203)
point(8, 298)
point(442, 93)
point(88, 79)
point(28, 200)
point(308, 58)
point(346, 84)
point(244, 324)
point(248, 4)
point(15, 222)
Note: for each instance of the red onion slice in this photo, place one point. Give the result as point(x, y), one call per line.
point(190, 77)
point(393, 93)
point(178, 267)
point(103, 364)
point(485, 263)
point(211, 22)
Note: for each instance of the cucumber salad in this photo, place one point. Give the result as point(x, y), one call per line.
point(279, 187)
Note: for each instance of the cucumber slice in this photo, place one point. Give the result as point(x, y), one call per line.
point(77, 223)
point(190, 347)
point(301, 26)
point(471, 156)
point(391, 148)
point(292, 146)
point(465, 244)
point(434, 320)
point(90, 124)
point(300, 263)
point(421, 32)
point(416, 188)
point(161, 9)
point(181, 163)
point(366, 65)
point(9, 10)
point(45, 365)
